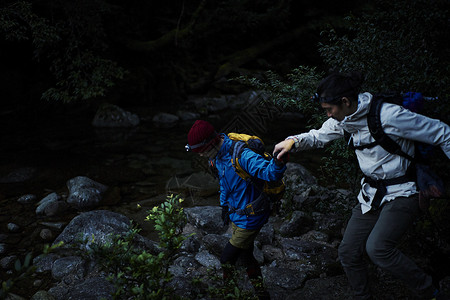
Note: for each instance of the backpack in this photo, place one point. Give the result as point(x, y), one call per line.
point(428, 183)
point(271, 191)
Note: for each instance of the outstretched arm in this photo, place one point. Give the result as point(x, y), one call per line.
point(315, 138)
point(283, 147)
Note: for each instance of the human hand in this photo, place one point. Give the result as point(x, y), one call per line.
point(281, 161)
point(282, 148)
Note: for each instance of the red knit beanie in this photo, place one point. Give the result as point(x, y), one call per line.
point(201, 136)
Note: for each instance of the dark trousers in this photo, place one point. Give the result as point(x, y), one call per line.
point(229, 257)
point(231, 254)
point(378, 233)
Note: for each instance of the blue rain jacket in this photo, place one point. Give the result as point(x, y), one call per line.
point(236, 192)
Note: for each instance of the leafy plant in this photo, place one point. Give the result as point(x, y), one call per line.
point(399, 46)
point(136, 272)
point(23, 270)
point(72, 46)
point(294, 90)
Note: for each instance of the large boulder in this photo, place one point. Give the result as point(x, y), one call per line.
point(93, 227)
point(85, 193)
point(111, 116)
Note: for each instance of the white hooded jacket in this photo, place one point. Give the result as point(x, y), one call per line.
point(402, 125)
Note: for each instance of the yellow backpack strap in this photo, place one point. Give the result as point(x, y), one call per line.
point(235, 151)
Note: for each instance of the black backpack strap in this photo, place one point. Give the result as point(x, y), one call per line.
point(259, 206)
point(377, 132)
point(381, 185)
point(349, 140)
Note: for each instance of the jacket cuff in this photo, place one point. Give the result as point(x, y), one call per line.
point(296, 140)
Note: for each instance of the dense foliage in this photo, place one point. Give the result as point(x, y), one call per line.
point(79, 50)
point(399, 46)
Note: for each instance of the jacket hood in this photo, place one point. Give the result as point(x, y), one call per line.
point(225, 146)
point(358, 119)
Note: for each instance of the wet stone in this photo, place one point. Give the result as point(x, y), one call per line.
point(55, 225)
point(8, 262)
point(27, 199)
point(46, 234)
point(2, 248)
point(13, 227)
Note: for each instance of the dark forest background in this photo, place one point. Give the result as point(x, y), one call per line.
point(61, 59)
point(153, 52)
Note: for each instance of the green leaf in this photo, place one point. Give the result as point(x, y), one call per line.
point(27, 260)
point(18, 265)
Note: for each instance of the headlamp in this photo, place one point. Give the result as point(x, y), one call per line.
point(189, 147)
point(201, 144)
point(332, 100)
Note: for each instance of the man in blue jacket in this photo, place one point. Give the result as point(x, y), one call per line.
point(235, 194)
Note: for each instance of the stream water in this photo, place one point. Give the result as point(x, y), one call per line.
point(40, 152)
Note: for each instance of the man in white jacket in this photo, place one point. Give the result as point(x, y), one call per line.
point(375, 227)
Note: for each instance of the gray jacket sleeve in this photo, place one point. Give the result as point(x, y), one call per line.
point(318, 138)
point(402, 123)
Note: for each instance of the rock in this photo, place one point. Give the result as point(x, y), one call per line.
point(276, 278)
point(298, 224)
point(272, 253)
point(44, 262)
point(27, 199)
point(93, 227)
point(199, 184)
point(8, 262)
point(42, 295)
point(328, 223)
point(3, 248)
point(55, 208)
point(55, 225)
point(330, 288)
point(216, 104)
point(312, 257)
point(85, 193)
point(215, 243)
point(165, 120)
point(266, 235)
point(296, 173)
point(112, 116)
point(316, 236)
point(207, 218)
point(91, 288)
point(19, 175)
point(187, 115)
point(46, 234)
point(207, 260)
point(184, 266)
point(70, 265)
point(13, 227)
point(48, 204)
point(240, 101)
point(208, 104)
